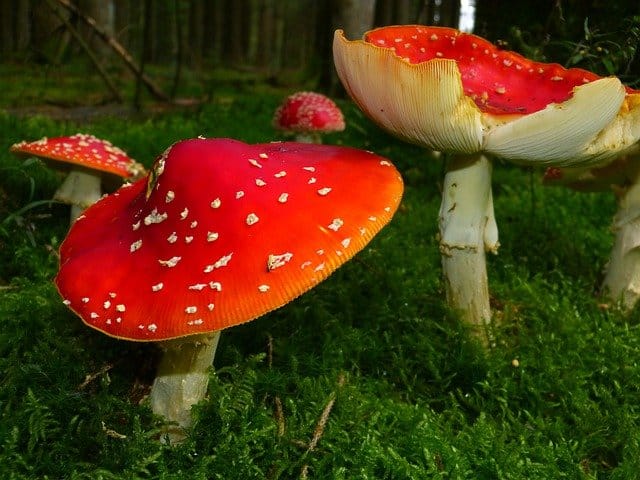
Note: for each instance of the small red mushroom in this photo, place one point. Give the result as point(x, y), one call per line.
point(458, 93)
point(308, 115)
point(220, 233)
point(92, 162)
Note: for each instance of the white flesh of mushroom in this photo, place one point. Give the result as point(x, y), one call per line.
point(80, 189)
point(181, 381)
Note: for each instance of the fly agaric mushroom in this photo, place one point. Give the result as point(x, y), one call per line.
point(622, 176)
point(308, 115)
point(91, 161)
point(458, 93)
point(219, 233)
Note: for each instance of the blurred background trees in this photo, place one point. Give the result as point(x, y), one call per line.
point(289, 41)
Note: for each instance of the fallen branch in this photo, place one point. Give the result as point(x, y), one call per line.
point(74, 33)
point(118, 48)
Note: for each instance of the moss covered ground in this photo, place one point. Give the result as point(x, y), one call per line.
point(412, 396)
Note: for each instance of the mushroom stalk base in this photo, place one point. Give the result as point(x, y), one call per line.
point(622, 280)
point(468, 229)
point(181, 381)
point(80, 189)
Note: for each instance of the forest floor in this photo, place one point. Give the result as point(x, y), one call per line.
point(413, 395)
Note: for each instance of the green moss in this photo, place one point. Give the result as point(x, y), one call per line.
point(419, 398)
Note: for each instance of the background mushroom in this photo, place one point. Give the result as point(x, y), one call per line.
point(308, 115)
point(622, 176)
point(92, 163)
point(219, 233)
point(457, 93)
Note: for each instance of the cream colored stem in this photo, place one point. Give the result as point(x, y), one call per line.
point(181, 381)
point(80, 189)
point(468, 229)
point(622, 280)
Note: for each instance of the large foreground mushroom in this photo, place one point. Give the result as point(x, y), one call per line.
point(91, 162)
point(219, 233)
point(458, 93)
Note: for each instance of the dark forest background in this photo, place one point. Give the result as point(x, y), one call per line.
point(289, 41)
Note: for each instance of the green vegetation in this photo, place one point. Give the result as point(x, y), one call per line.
point(415, 397)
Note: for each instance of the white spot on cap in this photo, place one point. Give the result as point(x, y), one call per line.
point(263, 155)
point(255, 163)
point(155, 217)
point(305, 264)
point(216, 203)
point(312, 180)
point(85, 299)
point(279, 260)
point(120, 307)
point(239, 194)
point(66, 302)
point(217, 286)
point(197, 286)
point(135, 245)
point(191, 309)
point(94, 315)
point(385, 163)
point(172, 262)
point(194, 224)
point(345, 243)
point(197, 321)
point(152, 327)
point(320, 252)
point(173, 238)
point(309, 169)
point(112, 294)
point(221, 262)
point(212, 236)
point(324, 191)
point(184, 213)
point(252, 219)
point(335, 224)
point(211, 307)
point(188, 239)
point(263, 288)
point(319, 268)
point(280, 174)
point(135, 226)
point(372, 218)
point(260, 182)
point(283, 197)
point(106, 304)
point(157, 287)
point(170, 196)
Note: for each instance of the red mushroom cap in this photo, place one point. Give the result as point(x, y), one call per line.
point(308, 112)
point(456, 92)
point(220, 233)
point(82, 150)
point(498, 81)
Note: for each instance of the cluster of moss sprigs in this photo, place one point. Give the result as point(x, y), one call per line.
point(367, 376)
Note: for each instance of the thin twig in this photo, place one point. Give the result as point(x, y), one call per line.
point(90, 377)
point(279, 412)
point(320, 426)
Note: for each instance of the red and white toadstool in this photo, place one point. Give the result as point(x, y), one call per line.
point(458, 93)
point(92, 162)
point(219, 233)
point(308, 115)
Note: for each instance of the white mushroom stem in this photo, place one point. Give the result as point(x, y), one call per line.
point(468, 229)
point(80, 189)
point(622, 279)
point(309, 137)
point(181, 381)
